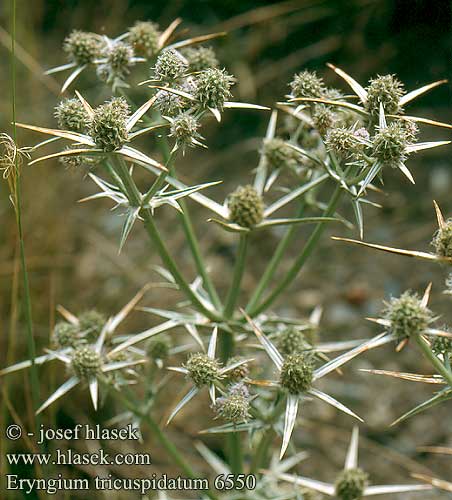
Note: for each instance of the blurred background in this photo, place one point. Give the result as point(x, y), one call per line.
point(72, 249)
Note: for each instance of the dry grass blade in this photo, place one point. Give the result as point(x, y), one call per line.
point(197, 39)
point(398, 251)
point(166, 35)
point(413, 377)
point(359, 90)
point(434, 481)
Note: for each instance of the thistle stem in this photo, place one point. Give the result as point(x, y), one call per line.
point(172, 451)
point(17, 196)
point(234, 290)
point(195, 250)
point(273, 264)
point(426, 351)
point(300, 261)
point(151, 228)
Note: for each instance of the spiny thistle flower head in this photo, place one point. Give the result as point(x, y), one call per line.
point(442, 345)
point(279, 154)
point(202, 369)
point(324, 118)
point(246, 207)
point(91, 322)
point(108, 125)
point(144, 38)
point(71, 115)
point(292, 341)
point(82, 47)
point(387, 90)
point(239, 389)
point(120, 57)
point(169, 104)
point(213, 87)
point(170, 66)
point(407, 315)
point(184, 128)
point(233, 408)
point(66, 335)
point(158, 349)
point(343, 142)
point(351, 483)
point(297, 373)
point(86, 362)
point(307, 84)
point(389, 144)
point(238, 373)
point(200, 58)
point(442, 241)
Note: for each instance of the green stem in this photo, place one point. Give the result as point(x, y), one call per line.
point(172, 451)
point(426, 351)
point(195, 250)
point(168, 261)
point(260, 456)
point(235, 452)
point(18, 211)
point(234, 289)
point(273, 264)
point(151, 228)
point(298, 264)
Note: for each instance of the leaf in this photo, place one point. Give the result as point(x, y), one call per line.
point(231, 227)
point(291, 221)
point(422, 90)
point(289, 421)
point(398, 251)
point(72, 77)
point(439, 216)
point(333, 402)
point(425, 145)
point(131, 122)
point(437, 483)
point(72, 136)
point(413, 377)
point(244, 105)
point(351, 461)
point(339, 104)
point(61, 391)
point(197, 39)
point(312, 484)
point(168, 32)
point(134, 339)
point(213, 460)
point(271, 350)
point(186, 399)
point(293, 195)
point(442, 396)
point(335, 363)
point(226, 428)
point(359, 90)
point(395, 488)
point(127, 226)
point(133, 154)
point(94, 391)
point(67, 152)
point(418, 119)
point(57, 69)
point(85, 103)
point(261, 170)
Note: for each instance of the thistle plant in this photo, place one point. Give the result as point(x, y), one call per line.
point(322, 151)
